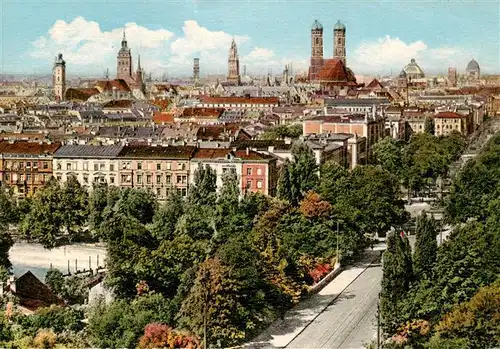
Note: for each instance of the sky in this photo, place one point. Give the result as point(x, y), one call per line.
point(381, 37)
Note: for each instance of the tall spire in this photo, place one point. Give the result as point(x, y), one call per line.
point(139, 63)
point(124, 40)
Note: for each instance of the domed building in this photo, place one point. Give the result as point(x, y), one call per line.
point(473, 71)
point(412, 71)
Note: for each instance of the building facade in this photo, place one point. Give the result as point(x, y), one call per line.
point(88, 164)
point(256, 172)
point(447, 122)
point(156, 169)
point(26, 166)
point(59, 77)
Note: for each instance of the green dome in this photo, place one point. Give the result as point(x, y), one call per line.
point(339, 26)
point(317, 25)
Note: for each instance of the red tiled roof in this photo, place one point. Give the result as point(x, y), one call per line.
point(374, 84)
point(147, 151)
point(210, 153)
point(448, 115)
point(212, 113)
point(107, 85)
point(217, 131)
point(163, 118)
point(217, 153)
point(122, 103)
point(31, 148)
point(162, 103)
point(334, 70)
point(81, 94)
point(240, 100)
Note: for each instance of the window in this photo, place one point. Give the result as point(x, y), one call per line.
point(184, 179)
point(139, 179)
point(158, 191)
point(111, 167)
point(21, 165)
point(124, 165)
point(139, 165)
point(148, 179)
point(249, 184)
point(28, 164)
point(85, 179)
point(259, 172)
point(168, 178)
point(112, 180)
point(169, 166)
point(158, 167)
point(28, 178)
point(249, 171)
point(45, 178)
point(85, 166)
point(124, 178)
point(68, 166)
point(102, 167)
point(259, 184)
point(7, 177)
point(158, 179)
point(179, 179)
point(182, 167)
point(96, 167)
point(59, 178)
point(184, 191)
point(35, 165)
point(21, 177)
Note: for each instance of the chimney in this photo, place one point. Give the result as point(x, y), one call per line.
point(270, 149)
point(248, 151)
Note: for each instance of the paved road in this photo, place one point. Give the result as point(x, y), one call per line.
point(350, 321)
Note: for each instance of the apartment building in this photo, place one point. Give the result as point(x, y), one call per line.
point(89, 164)
point(256, 172)
point(26, 166)
point(157, 169)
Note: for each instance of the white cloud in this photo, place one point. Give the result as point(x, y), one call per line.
point(85, 46)
point(388, 53)
point(89, 49)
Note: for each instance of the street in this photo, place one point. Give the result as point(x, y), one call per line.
point(348, 322)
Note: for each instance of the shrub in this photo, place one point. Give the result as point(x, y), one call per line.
point(45, 339)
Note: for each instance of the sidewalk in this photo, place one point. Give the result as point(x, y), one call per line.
point(281, 332)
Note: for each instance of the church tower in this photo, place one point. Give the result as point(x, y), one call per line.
point(124, 62)
point(316, 50)
point(233, 65)
point(59, 77)
point(339, 42)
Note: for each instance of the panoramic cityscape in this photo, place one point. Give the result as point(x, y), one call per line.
point(281, 174)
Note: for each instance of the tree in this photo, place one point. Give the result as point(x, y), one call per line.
point(429, 125)
point(330, 173)
point(477, 320)
point(396, 279)
point(73, 207)
point(55, 280)
point(424, 256)
point(204, 189)
point(389, 154)
point(285, 190)
point(304, 172)
point(137, 203)
point(282, 131)
point(166, 217)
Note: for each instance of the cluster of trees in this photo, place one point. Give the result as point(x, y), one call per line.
point(215, 264)
point(449, 296)
point(282, 132)
point(420, 161)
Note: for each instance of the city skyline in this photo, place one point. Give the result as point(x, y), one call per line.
point(380, 38)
